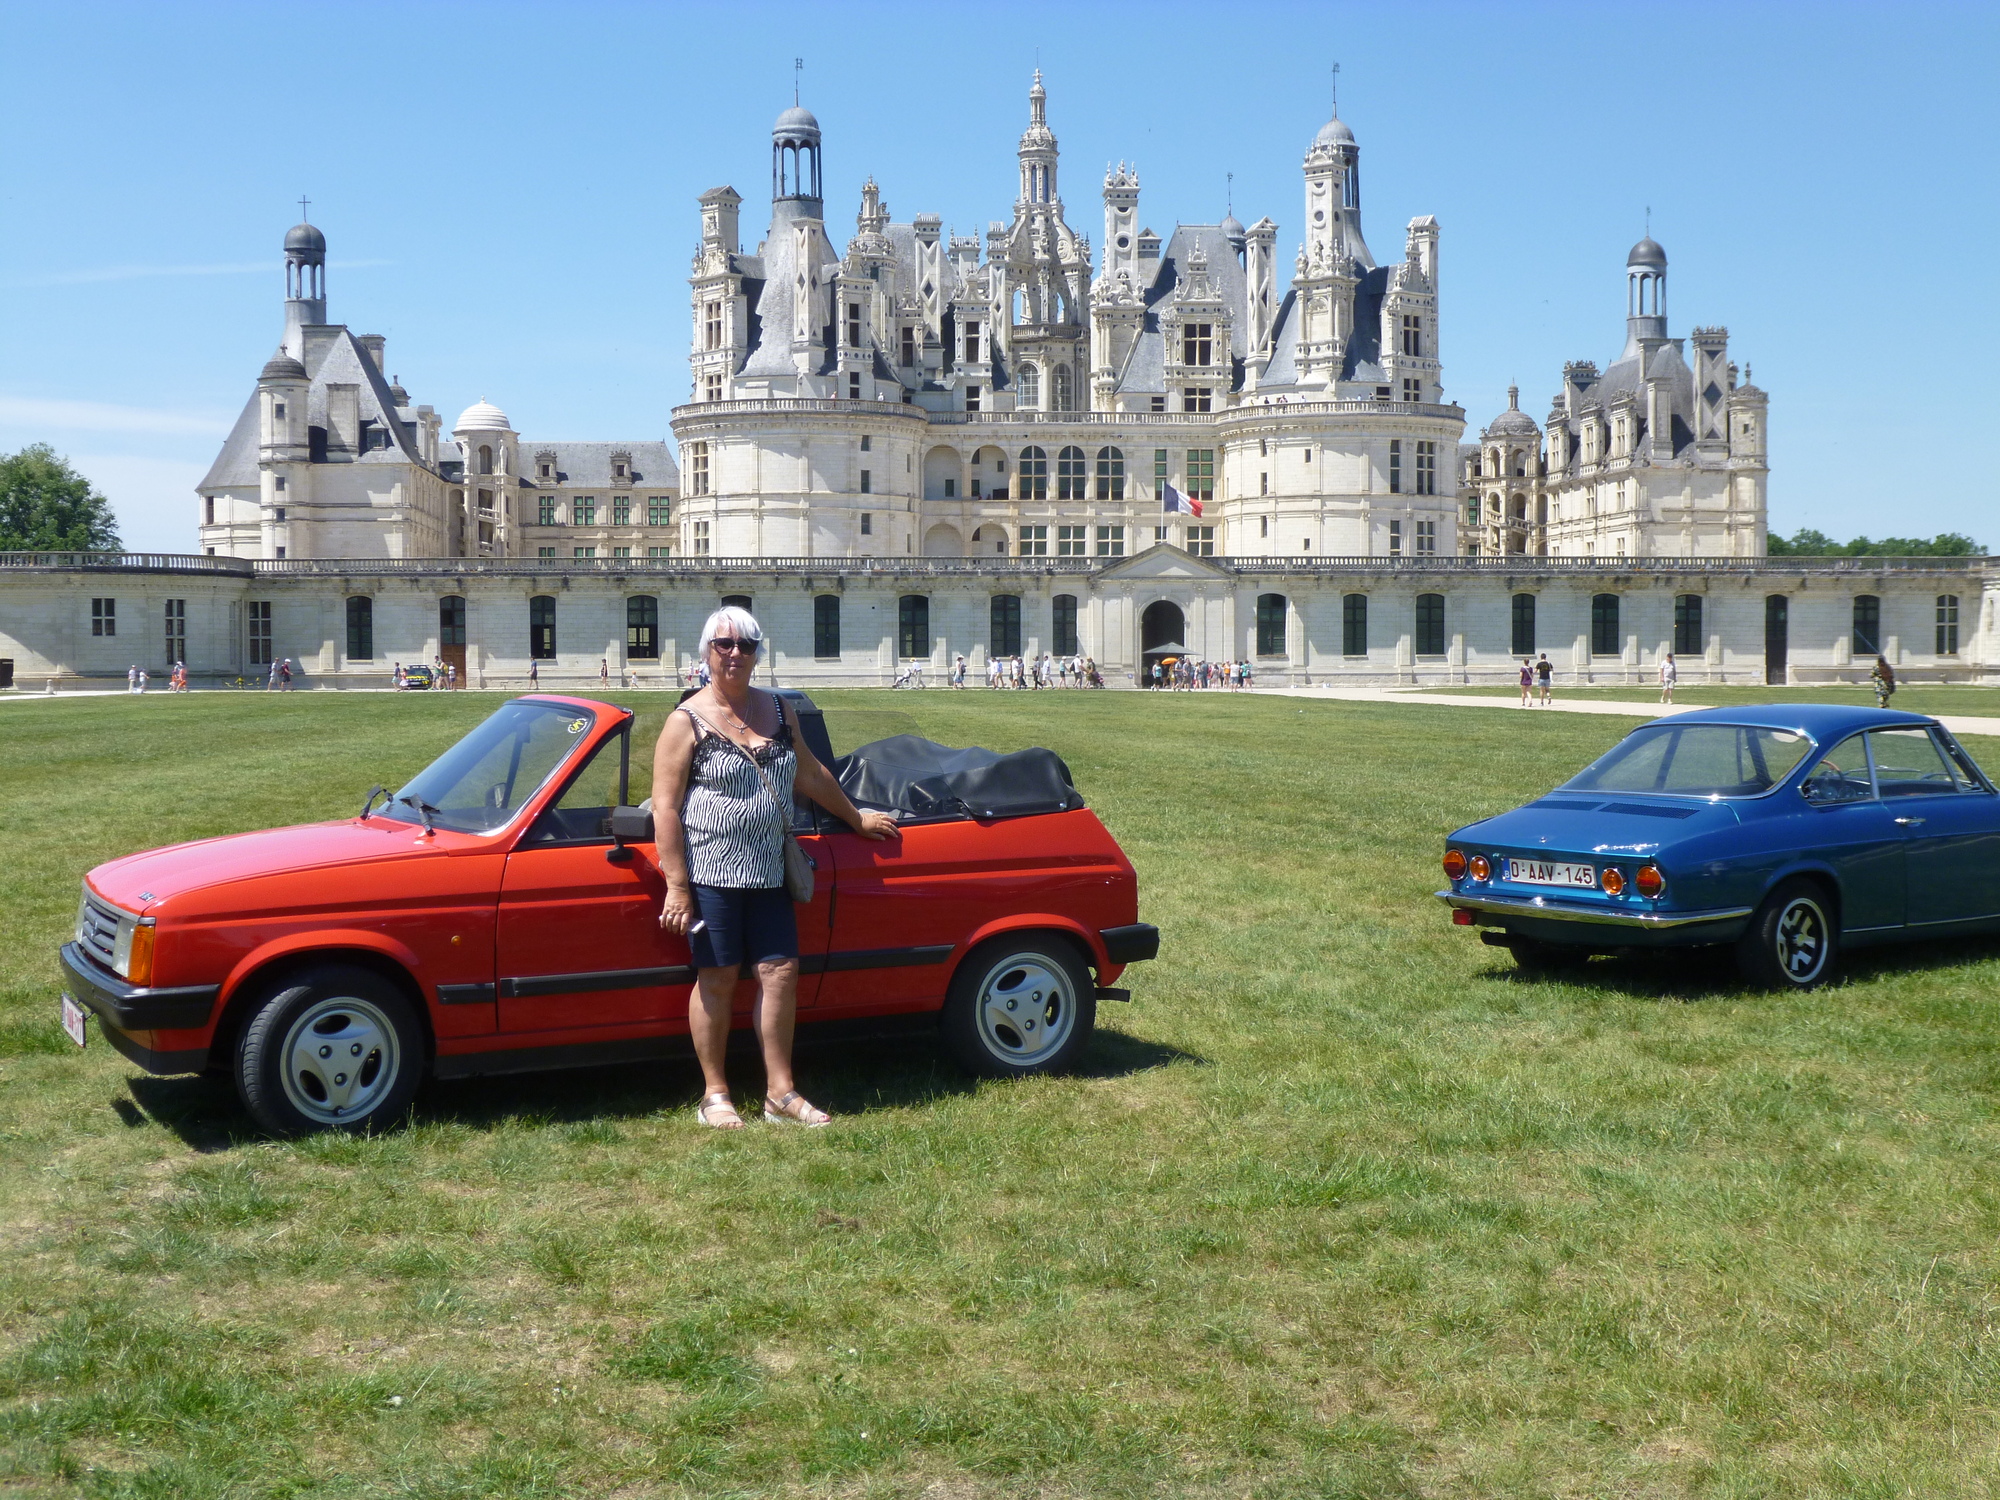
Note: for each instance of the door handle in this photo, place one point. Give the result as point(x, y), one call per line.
point(1908, 822)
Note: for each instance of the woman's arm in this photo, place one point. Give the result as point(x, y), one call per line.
point(817, 783)
point(673, 755)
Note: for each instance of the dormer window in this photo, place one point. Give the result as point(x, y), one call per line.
point(621, 468)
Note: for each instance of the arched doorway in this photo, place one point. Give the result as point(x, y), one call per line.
point(1162, 633)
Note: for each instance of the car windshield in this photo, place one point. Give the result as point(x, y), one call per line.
point(481, 782)
point(1696, 760)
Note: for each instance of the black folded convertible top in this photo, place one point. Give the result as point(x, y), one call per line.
point(909, 774)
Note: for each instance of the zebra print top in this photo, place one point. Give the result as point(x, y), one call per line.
point(735, 832)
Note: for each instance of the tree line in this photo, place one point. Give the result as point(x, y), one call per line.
point(1806, 542)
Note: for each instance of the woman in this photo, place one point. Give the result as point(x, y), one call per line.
point(1884, 678)
point(723, 775)
point(1527, 683)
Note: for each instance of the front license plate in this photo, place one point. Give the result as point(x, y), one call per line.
point(1542, 872)
point(73, 1019)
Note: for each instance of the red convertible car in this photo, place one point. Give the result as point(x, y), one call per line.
point(499, 914)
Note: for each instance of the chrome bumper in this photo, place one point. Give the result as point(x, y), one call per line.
point(1545, 909)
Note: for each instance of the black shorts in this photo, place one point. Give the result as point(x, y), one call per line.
point(744, 926)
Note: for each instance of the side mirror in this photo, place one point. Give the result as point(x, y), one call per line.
point(629, 825)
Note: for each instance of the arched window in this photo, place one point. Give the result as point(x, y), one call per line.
point(1110, 474)
point(1003, 637)
point(1062, 401)
point(1688, 639)
point(360, 628)
point(1604, 625)
point(542, 628)
point(1947, 624)
point(1031, 479)
point(1867, 625)
point(1430, 624)
point(913, 625)
point(642, 628)
point(1271, 612)
point(1354, 625)
point(826, 626)
point(1524, 625)
point(1071, 475)
point(451, 620)
point(485, 459)
point(1065, 625)
point(1028, 393)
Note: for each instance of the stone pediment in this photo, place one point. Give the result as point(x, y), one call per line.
point(1165, 560)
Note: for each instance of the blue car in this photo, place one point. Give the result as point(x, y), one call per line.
point(1789, 831)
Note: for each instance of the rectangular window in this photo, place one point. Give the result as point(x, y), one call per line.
point(545, 552)
point(259, 612)
point(583, 552)
point(1687, 625)
point(104, 617)
point(658, 510)
point(854, 325)
point(1111, 541)
point(1524, 625)
point(712, 326)
point(867, 482)
point(913, 626)
point(1159, 533)
point(1110, 474)
point(1604, 625)
point(951, 489)
point(972, 343)
point(972, 400)
point(360, 628)
point(1063, 618)
point(1159, 403)
point(826, 626)
point(1413, 334)
point(1354, 625)
point(1159, 472)
point(621, 551)
point(1947, 624)
point(1427, 466)
point(1427, 538)
point(209, 503)
point(177, 626)
point(277, 481)
point(1264, 482)
point(697, 466)
point(1197, 344)
point(1271, 624)
point(642, 628)
point(1413, 389)
point(1395, 538)
point(1395, 466)
point(1263, 526)
point(658, 552)
point(1201, 541)
point(1003, 636)
point(701, 538)
point(1034, 542)
point(1430, 624)
point(854, 387)
point(909, 346)
point(867, 524)
point(280, 513)
point(546, 513)
point(1072, 541)
point(583, 510)
point(542, 628)
point(867, 442)
point(1867, 625)
point(711, 388)
point(1201, 474)
point(1197, 398)
point(621, 510)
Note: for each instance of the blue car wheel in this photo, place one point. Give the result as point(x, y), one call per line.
point(1792, 943)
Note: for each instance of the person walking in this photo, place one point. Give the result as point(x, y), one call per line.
point(1543, 672)
point(1884, 680)
point(451, 676)
point(958, 672)
point(132, 678)
point(724, 772)
point(285, 675)
point(603, 671)
point(1527, 683)
point(271, 682)
point(142, 680)
point(534, 675)
point(1669, 675)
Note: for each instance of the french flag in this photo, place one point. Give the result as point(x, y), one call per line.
point(1174, 503)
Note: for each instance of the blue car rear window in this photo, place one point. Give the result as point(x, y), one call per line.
point(1696, 760)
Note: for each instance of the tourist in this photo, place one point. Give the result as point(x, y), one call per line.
point(603, 671)
point(450, 675)
point(1884, 679)
point(396, 675)
point(142, 679)
point(534, 675)
point(725, 769)
point(1543, 672)
point(1669, 675)
point(132, 678)
point(285, 675)
point(1527, 683)
point(271, 682)
point(958, 672)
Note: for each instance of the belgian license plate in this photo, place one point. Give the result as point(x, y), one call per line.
point(1543, 872)
point(73, 1019)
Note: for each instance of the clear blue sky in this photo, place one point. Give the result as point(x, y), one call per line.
point(508, 192)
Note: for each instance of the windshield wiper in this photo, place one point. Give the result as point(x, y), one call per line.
point(368, 806)
point(424, 811)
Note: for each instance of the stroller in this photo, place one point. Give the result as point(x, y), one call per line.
point(912, 677)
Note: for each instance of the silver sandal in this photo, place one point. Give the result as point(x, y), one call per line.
point(782, 1111)
point(708, 1112)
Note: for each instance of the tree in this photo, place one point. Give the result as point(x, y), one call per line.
point(1806, 542)
point(46, 506)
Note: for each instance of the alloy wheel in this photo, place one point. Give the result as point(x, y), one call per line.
point(1800, 938)
point(340, 1057)
point(1026, 1009)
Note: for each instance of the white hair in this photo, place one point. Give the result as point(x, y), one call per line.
point(731, 621)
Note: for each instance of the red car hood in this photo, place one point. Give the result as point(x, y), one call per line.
point(153, 877)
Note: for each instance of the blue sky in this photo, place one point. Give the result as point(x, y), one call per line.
point(508, 192)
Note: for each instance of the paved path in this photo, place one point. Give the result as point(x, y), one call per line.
point(1622, 708)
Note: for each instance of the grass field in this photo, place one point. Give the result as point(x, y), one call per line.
point(1931, 698)
point(1341, 1205)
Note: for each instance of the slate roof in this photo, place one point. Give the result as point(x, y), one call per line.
point(589, 464)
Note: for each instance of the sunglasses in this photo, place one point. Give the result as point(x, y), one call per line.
point(730, 643)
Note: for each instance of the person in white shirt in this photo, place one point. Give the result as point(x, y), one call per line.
point(1669, 675)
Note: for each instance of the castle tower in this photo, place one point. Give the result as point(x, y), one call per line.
point(305, 285)
point(1645, 295)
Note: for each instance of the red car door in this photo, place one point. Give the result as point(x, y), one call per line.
point(579, 945)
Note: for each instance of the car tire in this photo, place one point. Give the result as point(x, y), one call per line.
point(336, 1048)
point(1018, 1005)
point(1542, 960)
point(1792, 942)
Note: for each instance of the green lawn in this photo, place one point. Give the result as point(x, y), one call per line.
point(1931, 698)
point(1341, 1206)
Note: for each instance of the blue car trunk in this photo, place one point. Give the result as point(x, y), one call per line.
point(1597, 831)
